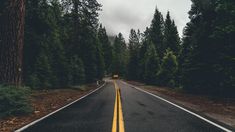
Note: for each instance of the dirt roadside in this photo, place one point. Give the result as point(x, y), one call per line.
point(44, 102)
point(222, 110)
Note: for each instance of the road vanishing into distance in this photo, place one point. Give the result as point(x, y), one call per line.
point(120, 107)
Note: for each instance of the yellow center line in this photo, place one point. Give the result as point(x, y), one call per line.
point(118, 108)
point(121, 121)
point(114, 127)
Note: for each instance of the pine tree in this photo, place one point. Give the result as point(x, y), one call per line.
point(43, 39)
point(223, 47)
point(76, 71)
point(57, 52)
point(152, 64)
point(88, 54)
point(43, 71)
point(142, 51)
point(82, 37)
point(72, 41)
point(119, 56)
point(100, 61)
point(88, 40)
point(35, 43)
point(156, 32)
point(134, 60)
point(171, 36)
point(106, 48)
point(201, 67)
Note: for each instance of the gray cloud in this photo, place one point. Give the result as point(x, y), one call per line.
point(122, 15)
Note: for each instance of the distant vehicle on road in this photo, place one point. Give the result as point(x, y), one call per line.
point(115, 76)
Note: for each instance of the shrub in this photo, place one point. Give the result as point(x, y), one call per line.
point(14, 100)
point(168, 70)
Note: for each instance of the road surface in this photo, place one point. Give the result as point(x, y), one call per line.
point(120, 107)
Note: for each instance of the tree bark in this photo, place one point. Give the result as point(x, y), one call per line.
point(12, 13)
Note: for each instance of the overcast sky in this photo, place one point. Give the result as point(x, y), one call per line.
point(122, 15)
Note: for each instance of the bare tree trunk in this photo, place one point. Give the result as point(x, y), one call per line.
point(12, 13)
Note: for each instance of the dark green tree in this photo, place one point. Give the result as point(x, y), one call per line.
point(142, 51)
point(82, 37)
point(76, 71)
point(133, 66)
point(100, 61)
point(171, 36)
point(152, 64)
point(119, 56)
point(197, 66)
point(106, 48)
point(89, 41)
point(88, 53)
point(208, 50)
point(156, 32)
point(169, 67)
point(223, 48)
point(43, 72)
point(38, 29)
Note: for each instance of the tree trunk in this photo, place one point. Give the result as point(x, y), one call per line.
point(12, 13)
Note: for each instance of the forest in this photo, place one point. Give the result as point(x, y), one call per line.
point(201, 62)
point(50, 44)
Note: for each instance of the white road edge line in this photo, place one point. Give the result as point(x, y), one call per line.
point(202, 118)
point(38, 120)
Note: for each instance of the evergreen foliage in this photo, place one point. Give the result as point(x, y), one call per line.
point(134, 59)
point(169, 67)
point(171, 36)
point(119, 56)
point(152, 64)
point(203, 63)
point(156, 32)
point(61, 43)
point(76, 71)
point(208, 48)
point(100, 61)
point(66, 45)
point(106, 47)
point(14, 101)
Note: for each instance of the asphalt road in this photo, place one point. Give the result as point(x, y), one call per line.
point(91, 114)
point(141, 113)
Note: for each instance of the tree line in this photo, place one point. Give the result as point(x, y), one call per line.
point(64, 44)
point(150, 57)
point(202, 62)
point(61, 43)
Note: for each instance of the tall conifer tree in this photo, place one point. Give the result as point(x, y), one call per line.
point(171, 36)
point(134, 60)
point(156, 32)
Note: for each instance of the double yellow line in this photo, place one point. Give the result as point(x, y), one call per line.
point(118, 122)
